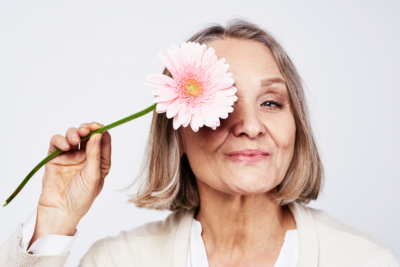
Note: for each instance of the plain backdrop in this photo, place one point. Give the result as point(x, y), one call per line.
point(63, 63)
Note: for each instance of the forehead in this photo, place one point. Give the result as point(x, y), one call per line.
point(247, 56)
point(252, 64)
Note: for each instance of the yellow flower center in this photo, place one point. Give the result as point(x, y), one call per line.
point(193, 87)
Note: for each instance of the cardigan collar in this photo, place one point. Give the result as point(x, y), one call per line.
point(181, 243)
point(306, 229)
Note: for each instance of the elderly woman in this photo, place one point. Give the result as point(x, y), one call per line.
point(237, 193)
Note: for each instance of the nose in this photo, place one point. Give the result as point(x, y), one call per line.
point(247, 121)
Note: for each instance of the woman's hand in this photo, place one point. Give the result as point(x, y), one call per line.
point(72, 180)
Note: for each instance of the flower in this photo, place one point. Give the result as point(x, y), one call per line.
point(201, 90)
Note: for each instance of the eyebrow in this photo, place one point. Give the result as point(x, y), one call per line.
point(270, 81)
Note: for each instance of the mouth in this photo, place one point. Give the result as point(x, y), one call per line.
point(248, 155)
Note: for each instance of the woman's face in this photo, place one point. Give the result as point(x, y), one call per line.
point(251, 150)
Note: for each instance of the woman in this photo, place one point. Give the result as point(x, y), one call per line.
point(237, 192)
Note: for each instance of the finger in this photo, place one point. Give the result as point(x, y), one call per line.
point(91, 169)
point(73, 138)
point(105, 160)
point(91, 127)
point(83, 131)
point(58, 142)
point(95, 126)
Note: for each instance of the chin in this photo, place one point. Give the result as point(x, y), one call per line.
point(250, 184)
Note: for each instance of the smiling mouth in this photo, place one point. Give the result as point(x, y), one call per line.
point(248, 155)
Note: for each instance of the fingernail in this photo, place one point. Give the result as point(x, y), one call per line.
point(75, 136)
point(65, 144)
point(83, 126)
point(98, 139)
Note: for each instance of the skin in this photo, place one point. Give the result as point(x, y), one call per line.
point(242, 225)
point(72, 180)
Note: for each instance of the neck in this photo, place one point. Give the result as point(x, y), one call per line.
point(244, 225)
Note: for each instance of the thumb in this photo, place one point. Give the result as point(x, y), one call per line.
point(93, 154)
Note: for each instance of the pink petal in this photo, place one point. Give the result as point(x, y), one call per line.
point(195, 119)
point(197, 110)
point(173, 53)
point(200, 119)
point(219, 71)
point(229, 109)
point(175, 123)
point(213, 112)
point(198, 55)
point(173, 109)
point(221, 111)
point(217, 124)
point(194, 125)
point(182, 116)
point(185, 107)
point(153, 85)
point(216, 66)
point(158, 78)
point(222, 76)
point(208, 121)
point(191, 109)
point(191, 52)
point(233, 98)
point(163, 106)
point(214, 126)
point(168, 96)
point(162, 90)
point(185, 52)
point(227, 92)
point(171, 88)
point(208, 57)
point(167, 62)
point(187, 121)
point(224, 84)
point(223, 100)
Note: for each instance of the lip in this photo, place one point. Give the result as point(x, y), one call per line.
point(248, 155)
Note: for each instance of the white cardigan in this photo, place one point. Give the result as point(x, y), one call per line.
point(323, 241)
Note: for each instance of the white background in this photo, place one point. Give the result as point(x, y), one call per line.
point(63, 63)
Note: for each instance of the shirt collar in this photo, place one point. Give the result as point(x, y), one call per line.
point(306, 230)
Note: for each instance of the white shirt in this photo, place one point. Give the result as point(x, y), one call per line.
point(197, 256)
point(48, 244)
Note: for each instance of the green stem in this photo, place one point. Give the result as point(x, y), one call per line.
point(58, 151)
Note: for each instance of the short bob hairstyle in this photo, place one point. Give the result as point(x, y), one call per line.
point(168, 182)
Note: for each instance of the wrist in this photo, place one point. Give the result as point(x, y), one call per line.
point(52, 221)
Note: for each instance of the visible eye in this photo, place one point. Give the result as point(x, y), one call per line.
point(271, 104)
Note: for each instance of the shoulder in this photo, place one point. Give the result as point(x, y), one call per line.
point(336, 238)
point(152, 240)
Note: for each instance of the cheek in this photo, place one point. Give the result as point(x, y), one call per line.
point(201, 148)
point(205, 139)
point(282, 130)
point(283, 133)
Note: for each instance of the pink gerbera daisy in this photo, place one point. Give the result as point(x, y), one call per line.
point(200, 92)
